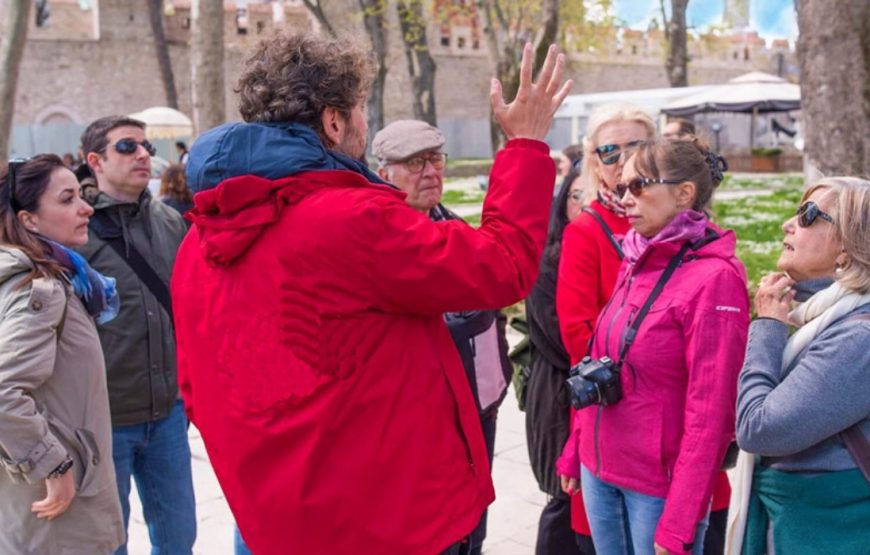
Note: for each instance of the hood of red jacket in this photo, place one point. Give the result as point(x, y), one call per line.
point(230, 217)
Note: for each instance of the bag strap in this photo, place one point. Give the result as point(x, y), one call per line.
point(631, 333)
point(607, 231)
point(854, 439)
point(136, 262)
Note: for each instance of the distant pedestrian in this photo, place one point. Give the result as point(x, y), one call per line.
point(183, 153)
point(173, 189)
point(679, 129)
point(70, 162)
point(57, 481)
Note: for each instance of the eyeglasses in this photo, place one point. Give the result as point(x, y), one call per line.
point(808, 212)
point(130, 146)
point(576, 196)
point(14, 164)
point(609, 154)
point(416, 164)
point(636, 185)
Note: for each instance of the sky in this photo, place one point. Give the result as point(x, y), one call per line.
point(771, 18)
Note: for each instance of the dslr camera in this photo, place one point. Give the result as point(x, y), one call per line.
point(594, 382)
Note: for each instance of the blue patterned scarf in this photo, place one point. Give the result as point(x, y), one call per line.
point(97, 292)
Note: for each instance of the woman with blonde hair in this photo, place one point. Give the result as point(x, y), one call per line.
point(591, 254)
point(57, 480)
point(804, 399)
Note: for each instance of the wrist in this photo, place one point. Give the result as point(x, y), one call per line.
point(61, 469)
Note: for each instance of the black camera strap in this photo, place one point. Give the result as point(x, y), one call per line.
point(607, 231)
point(657, 290)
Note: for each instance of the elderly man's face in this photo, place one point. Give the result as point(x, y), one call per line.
point(421, 177)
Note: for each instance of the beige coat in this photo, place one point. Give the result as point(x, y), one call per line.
point(53, 402)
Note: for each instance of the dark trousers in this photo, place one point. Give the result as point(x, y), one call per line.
point(714, 541)
point(555, 536)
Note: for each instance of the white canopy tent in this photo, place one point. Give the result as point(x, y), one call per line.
point(164, 123)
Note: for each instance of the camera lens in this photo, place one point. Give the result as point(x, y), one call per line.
point(583, 392)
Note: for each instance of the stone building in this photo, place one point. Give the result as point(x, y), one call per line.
point(96, 57)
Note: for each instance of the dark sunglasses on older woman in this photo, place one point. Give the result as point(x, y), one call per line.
point(129, 146)
point(808, 212)
point(609, 154)
point(637, 185)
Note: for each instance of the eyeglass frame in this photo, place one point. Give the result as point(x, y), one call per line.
point(426, 159)
point(638, 184)
point(805, 208)
point(11, 179)
point(610, 154)
point(145, 143)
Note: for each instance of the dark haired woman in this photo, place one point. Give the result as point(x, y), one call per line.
point(174, 191)
point(676, 330)
point(547, 405)
point(57, 482)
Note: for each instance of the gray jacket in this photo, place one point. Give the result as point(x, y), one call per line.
point(53, 403)
point(139, 345)
point(793, 418)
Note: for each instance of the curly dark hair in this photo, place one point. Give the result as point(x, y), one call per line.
point(293, 77)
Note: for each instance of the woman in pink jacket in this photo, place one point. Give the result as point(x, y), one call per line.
point(660, 415)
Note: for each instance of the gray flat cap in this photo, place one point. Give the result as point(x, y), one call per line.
point(405, 138)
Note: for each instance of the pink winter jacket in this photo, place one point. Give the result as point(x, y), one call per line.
point(668, 435)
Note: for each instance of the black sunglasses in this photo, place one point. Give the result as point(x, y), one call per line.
point(129, 146)
point(808, 212)
point(609, 154)
point(14, 164)
point(637, 185)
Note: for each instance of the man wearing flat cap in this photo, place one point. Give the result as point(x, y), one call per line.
point(410, 156)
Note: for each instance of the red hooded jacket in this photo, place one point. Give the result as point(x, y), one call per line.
point(315, 362)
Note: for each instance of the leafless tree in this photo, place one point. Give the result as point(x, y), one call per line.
point(508, 25)
point(155, 14)
point(834, 57)
point(374, 12)
point(11, 52)
point(316, 10)
point(207, 64)
point(677, 61)
point(421, 65)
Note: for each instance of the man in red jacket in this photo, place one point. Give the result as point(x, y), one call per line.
point(308, 300)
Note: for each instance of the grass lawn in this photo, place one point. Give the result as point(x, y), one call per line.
point(457, 196)
point(757, 221)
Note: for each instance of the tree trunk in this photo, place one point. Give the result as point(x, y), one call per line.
point(373, 20)
point(678, 55)
point(11, 52)
point(316, 10)
point(155, 14)
point(207, 64)
point(421, 65)
point(834, 56)
point(504, 49)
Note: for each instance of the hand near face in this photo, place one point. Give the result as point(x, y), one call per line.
point(774, 296)
point(530, 114)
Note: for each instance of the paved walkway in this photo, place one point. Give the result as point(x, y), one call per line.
point(513, 518)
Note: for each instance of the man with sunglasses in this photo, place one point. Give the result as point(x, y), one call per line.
point(134, 238)
point(410, 156)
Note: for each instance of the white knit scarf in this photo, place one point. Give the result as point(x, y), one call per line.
point(816, 314)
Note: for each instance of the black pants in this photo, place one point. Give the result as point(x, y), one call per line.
point(555, 536)
point(714, 541)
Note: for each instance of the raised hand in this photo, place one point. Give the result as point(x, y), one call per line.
point(530, 114)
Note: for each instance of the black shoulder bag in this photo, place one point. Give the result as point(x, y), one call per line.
point(607, 231)
point(107, 231)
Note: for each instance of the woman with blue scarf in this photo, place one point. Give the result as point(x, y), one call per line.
point(803, 412)
point(57, 483)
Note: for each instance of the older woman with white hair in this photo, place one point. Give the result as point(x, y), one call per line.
point(804, 400)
